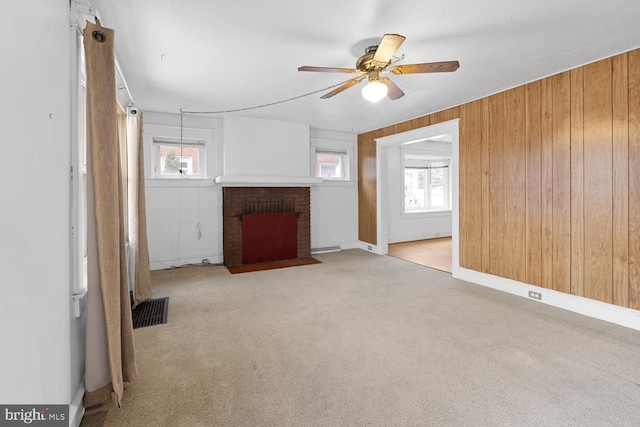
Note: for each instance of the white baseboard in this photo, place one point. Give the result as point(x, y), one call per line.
point(340, 247)
point(600, 310)
point(369, 247)
point(350, 245)
point(76, 408)
point(325, 250)
point(163, 264)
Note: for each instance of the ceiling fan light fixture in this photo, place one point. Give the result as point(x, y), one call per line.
point(374, 91)
point(376, 60)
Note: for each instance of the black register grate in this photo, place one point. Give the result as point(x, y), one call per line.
point(150, 312)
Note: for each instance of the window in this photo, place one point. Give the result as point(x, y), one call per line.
point(84, 172)
point(124, 171)
point(80, 179)
point(426, 184)
point(175, 159)
point(332, 164)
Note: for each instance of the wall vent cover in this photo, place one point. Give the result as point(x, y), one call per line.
point(151, 312)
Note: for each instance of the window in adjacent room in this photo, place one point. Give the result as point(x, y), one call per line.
point(426, 184)
point(175, 159)
point(332, 164)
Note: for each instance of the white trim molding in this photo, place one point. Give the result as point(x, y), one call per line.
point(76, 408)
point(370, 247)
point(416, 135)
point(266, 181)
point(599, 310)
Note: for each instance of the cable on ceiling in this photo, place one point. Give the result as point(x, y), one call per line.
point(235, 110)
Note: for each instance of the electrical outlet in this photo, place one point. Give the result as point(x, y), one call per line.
point(369, 247)
point(535, 295)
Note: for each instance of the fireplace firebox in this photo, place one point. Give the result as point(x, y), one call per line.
point(265, 224)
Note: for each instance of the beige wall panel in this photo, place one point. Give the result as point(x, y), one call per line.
point(486, 189)
point(634, 179)
point(577, 182)
point(496, 185)
point(534, 185)
point(621, 180)
point(561, 182)
point(598, 182)
point(473, 121)
point(367, 192)
point(515, 157)
point(546, 98)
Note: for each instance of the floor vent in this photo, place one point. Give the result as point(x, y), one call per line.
point(150, 312)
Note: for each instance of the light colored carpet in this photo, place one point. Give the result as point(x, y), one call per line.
point(364, 340)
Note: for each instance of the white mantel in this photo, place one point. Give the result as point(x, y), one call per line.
point(266, 181)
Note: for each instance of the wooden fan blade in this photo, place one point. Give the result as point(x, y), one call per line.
point(429, 67)
point(387, 47)
point(345, 86)
point(329, 69)
point(394, 91)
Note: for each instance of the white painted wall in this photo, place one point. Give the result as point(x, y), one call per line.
point(176, 207)
point(259, 147)
point(184, 217)
point(334, 205)
point(408, 227)
point(34, 207)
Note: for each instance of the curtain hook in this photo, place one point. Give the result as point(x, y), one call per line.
point(98, 35)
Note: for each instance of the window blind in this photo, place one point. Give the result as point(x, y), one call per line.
point(330, 151)
point(177, 142)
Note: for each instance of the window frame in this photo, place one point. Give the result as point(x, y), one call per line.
point(156, 163)
point(437, 162)
point(345, 159)
point(79, 204)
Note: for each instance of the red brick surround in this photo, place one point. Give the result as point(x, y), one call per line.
point(245, 200)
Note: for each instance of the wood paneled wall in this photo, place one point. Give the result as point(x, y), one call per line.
point(549, 188)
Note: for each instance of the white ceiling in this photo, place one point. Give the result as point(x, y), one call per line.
point(204, 55)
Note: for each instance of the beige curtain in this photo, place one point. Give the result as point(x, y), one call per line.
point(140, 277)
point(110, 359)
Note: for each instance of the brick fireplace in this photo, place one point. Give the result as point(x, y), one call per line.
point(267, 210)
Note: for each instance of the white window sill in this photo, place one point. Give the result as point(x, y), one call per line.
point(178, 182)
point(425, 214)
point(335, 183)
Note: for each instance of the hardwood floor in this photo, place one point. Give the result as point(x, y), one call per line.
point(433, 253)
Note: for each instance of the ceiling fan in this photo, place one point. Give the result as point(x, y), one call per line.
point(377, 60)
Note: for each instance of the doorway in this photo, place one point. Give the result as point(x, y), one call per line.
point(391, 197)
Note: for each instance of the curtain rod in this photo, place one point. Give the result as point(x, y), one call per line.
point(124, 83)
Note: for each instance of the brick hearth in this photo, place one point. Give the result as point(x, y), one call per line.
point(237, 201)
